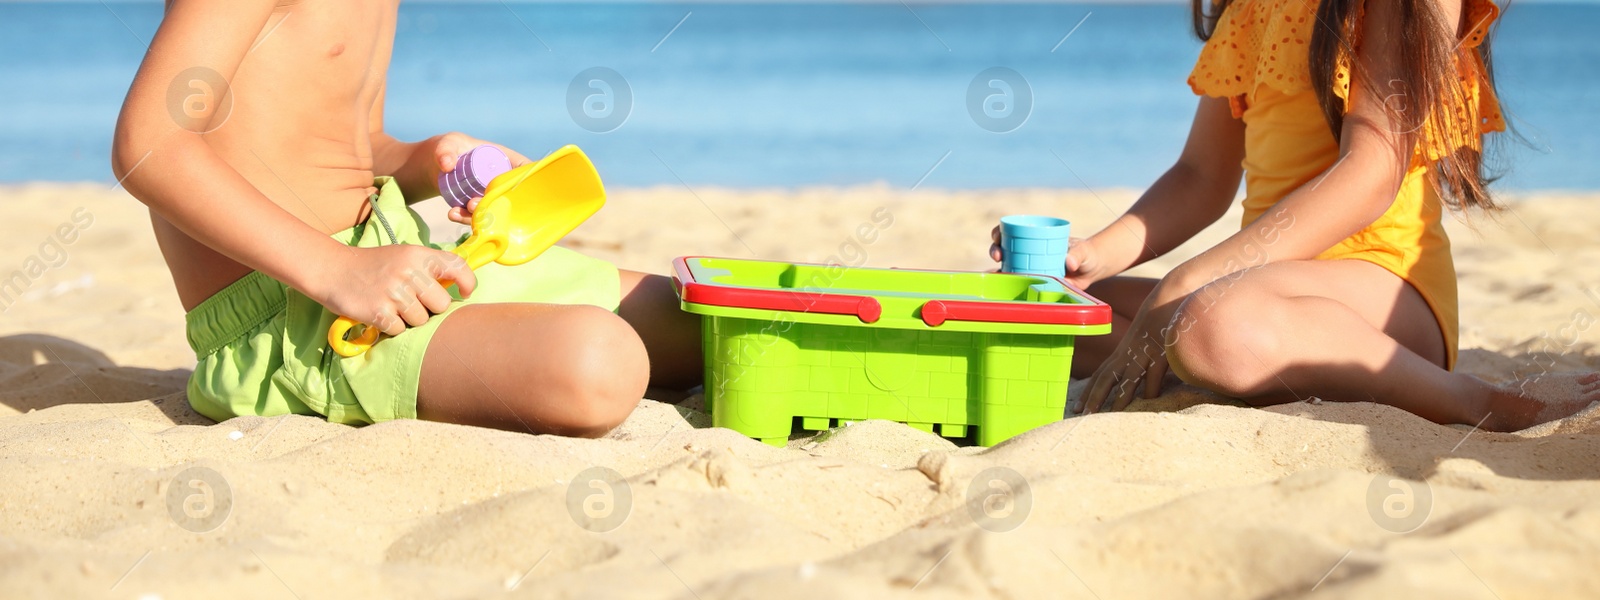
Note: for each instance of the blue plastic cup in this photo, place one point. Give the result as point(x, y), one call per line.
point(1034, 245)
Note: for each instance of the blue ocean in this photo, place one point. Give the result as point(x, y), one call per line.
point(767, 95)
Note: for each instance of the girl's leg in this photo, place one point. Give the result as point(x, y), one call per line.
point(1345, 331)
point(671, 336)
point(539, 368)
point(1125, 295)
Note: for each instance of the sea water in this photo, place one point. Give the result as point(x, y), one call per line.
point(1071, 95)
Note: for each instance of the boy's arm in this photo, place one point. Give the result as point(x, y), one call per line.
point(415, 166)
point(397, 159)
point(181, 174)
point(1192, 194)
point(177, 174)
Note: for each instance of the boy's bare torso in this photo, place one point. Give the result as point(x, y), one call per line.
point(305, 101)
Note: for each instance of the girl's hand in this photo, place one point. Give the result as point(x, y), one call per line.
point(449, 147)
point(391, 287)
point(1140, 358)
point(1083, 264)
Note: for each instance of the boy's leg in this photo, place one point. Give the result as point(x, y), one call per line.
point(671, 336)
point(1125, 295)
point(1343, 330)
point(573, 370)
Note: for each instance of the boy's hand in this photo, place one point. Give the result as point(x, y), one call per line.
point(450, 147)
point(392, 287)
point(1083, 266)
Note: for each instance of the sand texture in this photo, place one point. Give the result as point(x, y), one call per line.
point(110, 486)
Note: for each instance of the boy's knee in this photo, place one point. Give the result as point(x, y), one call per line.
point(604, 371)
point(1227, 339)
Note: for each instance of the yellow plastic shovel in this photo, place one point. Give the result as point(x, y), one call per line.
point(524, 212)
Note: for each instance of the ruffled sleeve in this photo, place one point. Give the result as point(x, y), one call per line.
point(1479, 112)
point(1267, 42)
point(1256, 42)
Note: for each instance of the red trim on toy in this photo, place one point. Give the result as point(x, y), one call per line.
point(865, 308)
point(936, 312)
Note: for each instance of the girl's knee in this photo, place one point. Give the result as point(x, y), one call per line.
point(1226, 338)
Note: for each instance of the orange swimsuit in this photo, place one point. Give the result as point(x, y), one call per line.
point(1259, 58)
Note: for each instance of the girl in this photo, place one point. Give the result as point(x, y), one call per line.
point(1353, 123)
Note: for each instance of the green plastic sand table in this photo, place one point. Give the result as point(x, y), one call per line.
point(937, 350)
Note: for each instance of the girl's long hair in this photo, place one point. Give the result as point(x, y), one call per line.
point(1429, 92)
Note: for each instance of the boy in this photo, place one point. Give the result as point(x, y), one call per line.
point(254, 132)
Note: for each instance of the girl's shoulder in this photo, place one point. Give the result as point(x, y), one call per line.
point(1257, 41)
point(1268, 42)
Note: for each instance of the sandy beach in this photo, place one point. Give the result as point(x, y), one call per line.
point(1187, 495)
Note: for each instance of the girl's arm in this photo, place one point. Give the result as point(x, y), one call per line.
point(1190, 196)
point(177, 174)
point(1374, 153)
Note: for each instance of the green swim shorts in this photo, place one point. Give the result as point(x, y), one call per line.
point(262, 347)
